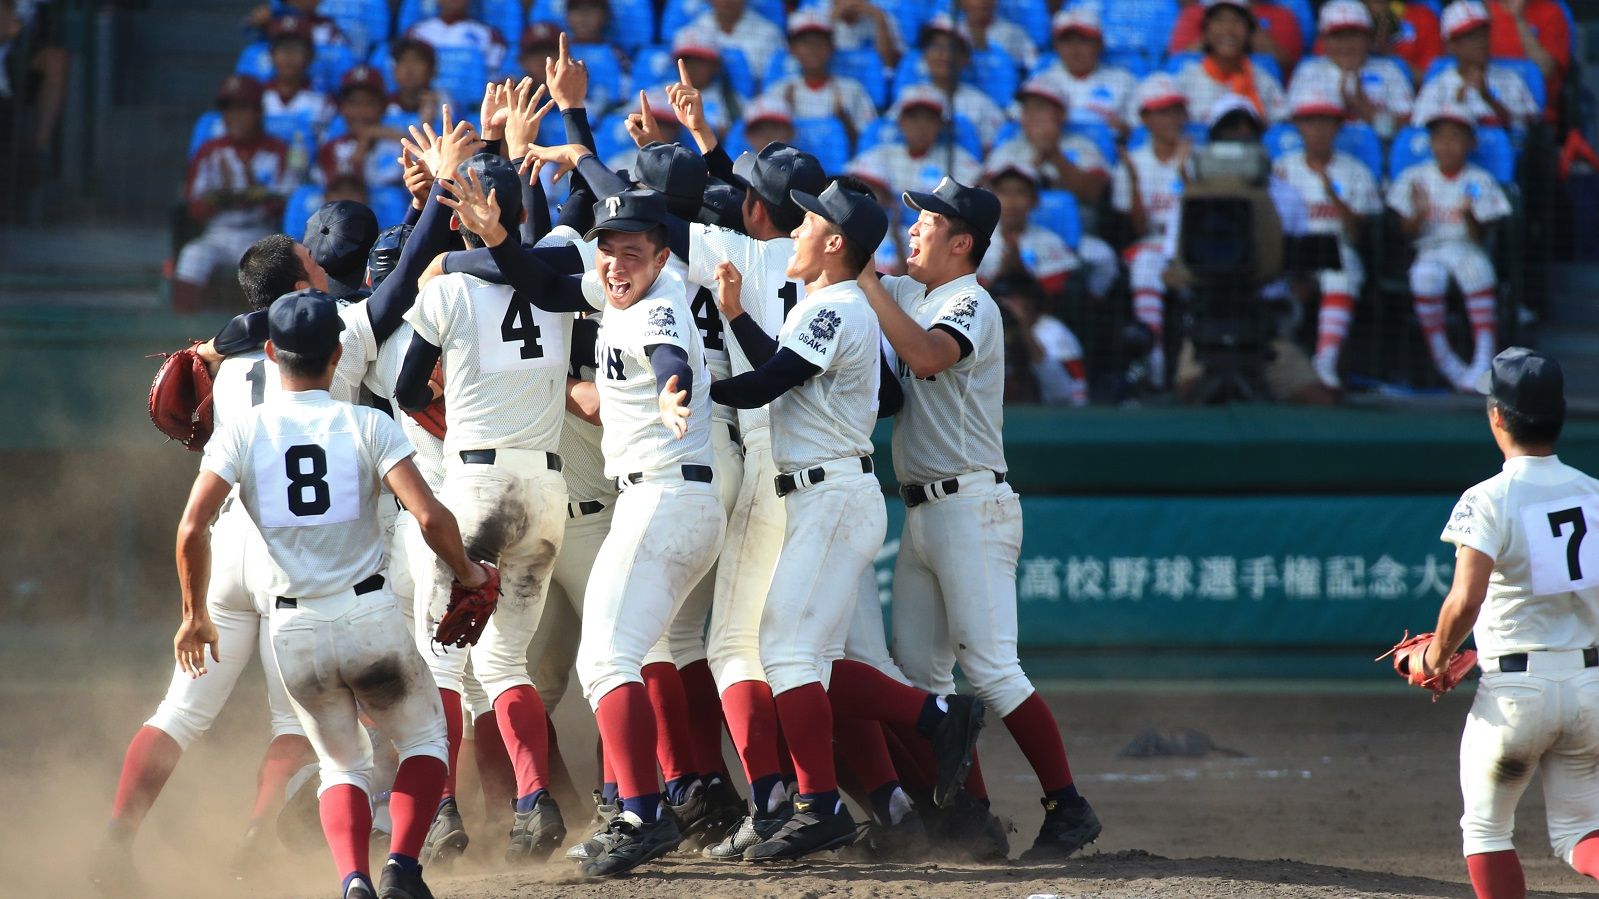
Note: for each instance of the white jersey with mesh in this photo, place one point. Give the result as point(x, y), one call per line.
point(381, 378)
point(831, 415)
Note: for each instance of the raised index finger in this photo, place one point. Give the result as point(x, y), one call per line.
point(566, 57)
point(682, 72)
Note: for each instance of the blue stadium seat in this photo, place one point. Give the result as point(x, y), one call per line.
point(381, 59)
point(651, 66)
point(605, 74)
point(782, 66)
point(886, 131)
point(1057, 211)
point(610, 135)
point(331, 62)
point(735, 143)
point(389, 203)
point(207, 127)
point(738, 72)
point(292, 128)
point(506, 16)
point(1281, 139)
point(1410, 147)
point(1305, 17)
point(1010, 129)
point(632, 23)
point(1103, 138)
point(1494, 152)
point(255, 60)
point(302, 204)
point(908, 15)
point(462, 74)
point(1176, 61)
point(995, 73)
point(412, 12)
point(1137, 24)
point(911, 70)
point(679, 13)
point(1031, 15)
point(864, 65)
point(1138, 62)
point(1360, 140)
point(364, 22)
point(826, 139)
point(1530, 74)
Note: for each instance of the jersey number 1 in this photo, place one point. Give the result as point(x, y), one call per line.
point(306, 478)
point(1579, 529)
point(518, 327)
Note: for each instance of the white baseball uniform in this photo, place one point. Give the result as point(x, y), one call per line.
point(1383, 80)
point(1040, 251)
point(955, 578)
point(504, 363)
point(823, 102)
point(1160, 190)
point(668, 521)
point(906, 172)
point(1061, 376)
point(1078, 150)
point(753, 35)
point(1542, 609)
point(1447, 88)
point(1444, 249)
point(223, 166)
point(822, 436)
point(1103, 95)
point(1203, 91)
point(309, 469)
point(1354, 185)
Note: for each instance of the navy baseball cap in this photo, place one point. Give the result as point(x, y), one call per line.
point(778, 171)
point(500, 176)
point(305, 322)
point(722, 205)
point(975, 206)
point(856, 214)
point(674, 170)
point(339, 236)
point(385, 253)
point(1526, 382)
point(633, 211)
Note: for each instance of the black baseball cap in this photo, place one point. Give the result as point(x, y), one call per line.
point(633, 211)
point(778, 171)
point(339, 236)
point(675, 171)
point(385, 253)
point(856, 214)
point(1526, 382)
point(305, 322)
point(975, 206)
point(499, 176)
point(722, 205)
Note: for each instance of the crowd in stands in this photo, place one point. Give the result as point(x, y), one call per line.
point(1078, 115)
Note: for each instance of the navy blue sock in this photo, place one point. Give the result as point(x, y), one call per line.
point(442, 803)
point(610, 793)
point(407, 863)
point(880, 798)
point(823, 804)
point(761, 791)
point(524, 804)
point(677, 788)
point(930, 718)
point(646, 806)
point(352, 877)
point(1067, 796)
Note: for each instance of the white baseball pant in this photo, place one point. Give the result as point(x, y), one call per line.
point(955, 593)
point(218, 245)
point(347, 650)
point(1543, 720)
point(1463, 261)
point(663, 539)
point(191, 704)
point(834, 530)
point(553, 651)
point(1101, 264)
point(862, 638)
point(512, 513)
point(744, 572)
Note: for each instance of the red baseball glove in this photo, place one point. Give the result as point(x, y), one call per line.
point(1408, 655)
point(180, 399)
point(469, 610)
point(431, 418)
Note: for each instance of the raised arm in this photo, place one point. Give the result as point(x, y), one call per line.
point(525, 269)
point(927, 351)
point(758, 346)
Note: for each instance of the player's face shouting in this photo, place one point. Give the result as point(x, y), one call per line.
point(627, 264)
point(929, 249)
point(810, 246)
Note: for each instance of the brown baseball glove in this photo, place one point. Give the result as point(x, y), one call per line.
point(1408, 653)
point(469, 610)
point(180, 399)
point(431, 418)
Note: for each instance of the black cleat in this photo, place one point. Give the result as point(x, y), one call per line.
point(887, 842)
point(251, 853)
point(724, 811)
point(359, 890)
point(752, 829)
point(968, 827)
point(953, 742)
point(112, 872)
point(630, 842)
point(695, 815)
point(535, 834)
point(395, 883)
point(599, 827)
point(1066, 829)
point(446, 840)
point(806, 832)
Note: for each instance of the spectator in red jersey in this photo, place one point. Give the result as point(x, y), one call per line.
point(1277, 33)
point(1406, 30)
point(365, 151)
point(236, 188)
point(1537, 30)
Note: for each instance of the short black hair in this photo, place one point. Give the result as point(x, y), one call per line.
point(302, 365)
point(980, 242)
point(270, 269)
point(1526, 430)
point(785, 217)
point(856, 256)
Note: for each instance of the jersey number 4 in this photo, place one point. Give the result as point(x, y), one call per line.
point(518, 326)
point(709, 321)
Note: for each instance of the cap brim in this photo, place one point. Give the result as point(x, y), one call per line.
point(627, 226)
point(936, 108)
point(810, 203)
point(704, 53)
point(1035, 94)
point(811, 29)
point(1346, 26)
point(1451, 117)
point(1083, 30)
point(1163, 103)
point(1466, 27)
point(1315, 109)
point(921, 201)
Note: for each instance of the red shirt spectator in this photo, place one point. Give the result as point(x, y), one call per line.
point(1406, 30)
point(1535, 30)
point(1278, 33)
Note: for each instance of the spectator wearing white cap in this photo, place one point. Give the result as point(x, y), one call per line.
point(1374, 89)
point(816, 92)
point(1225, 67)
point(1093, 91)
point(1445, 205)
point(1062, 161)
point(1019, 246)
point(921, 160)
point(1147, 188)
point(701, 61)
point(946, 53)
point(985, 29)
point(1341, 195)
point(1491, 93)
point(731, 23)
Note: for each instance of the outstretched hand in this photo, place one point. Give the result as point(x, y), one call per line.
point(567, 78)
point(674, 408)
point(564, 157)
point(524, 117)
point(641, 125)
point(477, 210)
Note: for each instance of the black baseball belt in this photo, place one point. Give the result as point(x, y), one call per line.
point(916, 494)
point(791, 481)
point(1516, 662)
point(698, 473)
point(375, 582)
point(487, 457)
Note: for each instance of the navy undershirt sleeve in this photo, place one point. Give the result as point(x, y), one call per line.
point(411, 387)
point(719, 163)
point(890, 396)
point(600, 178)
point(758, 346)
point(548, 276)
point(667, 360)
point(778, 375)
point(244, 332)
point(394, 297)
point(578, 131)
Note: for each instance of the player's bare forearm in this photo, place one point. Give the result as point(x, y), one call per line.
point(437, 523)
point(1461, 606)
point(926, 351)
point(583, 400)
point(194, 542)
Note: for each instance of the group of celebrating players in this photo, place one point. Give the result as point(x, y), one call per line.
point(651, 420)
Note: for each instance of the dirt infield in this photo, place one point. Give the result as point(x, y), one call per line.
point(1342, 790)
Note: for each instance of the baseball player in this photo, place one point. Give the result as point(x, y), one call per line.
point(821, 378)
point(1374, 89)
point(950, 462)
point(308, 469)
point(1526, 586)
point(504, 362)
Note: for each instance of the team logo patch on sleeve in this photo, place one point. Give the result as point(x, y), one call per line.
point(662, 318)
point(824, 326)
point(963, 309)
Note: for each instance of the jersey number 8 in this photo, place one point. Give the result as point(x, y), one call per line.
point(307, 468)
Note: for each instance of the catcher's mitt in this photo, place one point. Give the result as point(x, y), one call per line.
point(180, 399)
point(1408, 654)
point(431, 418)
point(469, 610)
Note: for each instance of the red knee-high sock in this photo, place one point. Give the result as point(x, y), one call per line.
point(785, 758)
point(151, 757)
point(1033, 727)
point(347, 823)
point(674, 736)
point(705, 711)
point(607, 769)
point(1497, 875)
point(1332, 323)
point(560, 777)
point(911, 766)
point(520, 713)
point(1585, 858)
point(454, 729)
point(752, 722)
point(807, 719)
point(865, 751)
point(494, 769)
point(975, 785)
point(285, 755)
point(627, 725)
point(418, 784)
point(861, 691)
